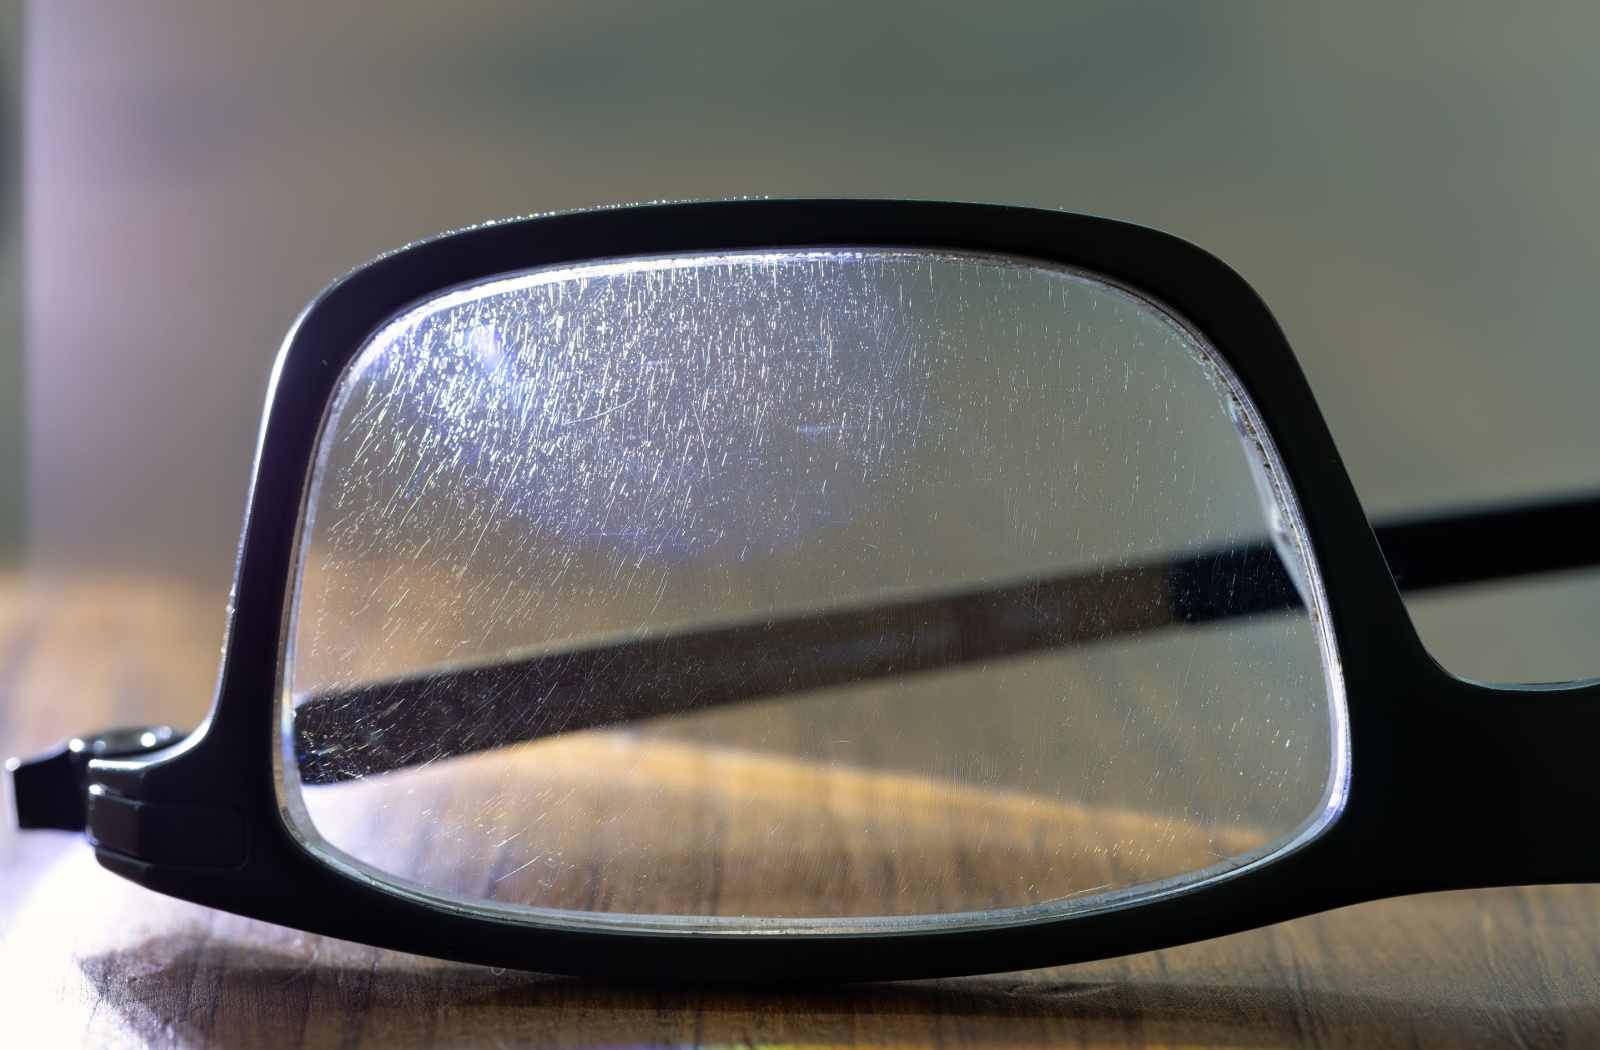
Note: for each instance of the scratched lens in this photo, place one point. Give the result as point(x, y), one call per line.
point(816, 590)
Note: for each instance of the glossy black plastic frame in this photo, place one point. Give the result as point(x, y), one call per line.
point(1452, 784)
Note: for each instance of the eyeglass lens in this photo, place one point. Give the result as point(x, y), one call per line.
point(801, 589)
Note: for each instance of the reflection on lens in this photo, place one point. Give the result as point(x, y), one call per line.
point(806, 590)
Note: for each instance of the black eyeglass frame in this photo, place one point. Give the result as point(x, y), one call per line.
point(1452, 784)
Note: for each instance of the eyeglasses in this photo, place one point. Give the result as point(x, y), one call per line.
point(771, 590)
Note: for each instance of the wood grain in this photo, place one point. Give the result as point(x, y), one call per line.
point(622, 822)
point(87, 959)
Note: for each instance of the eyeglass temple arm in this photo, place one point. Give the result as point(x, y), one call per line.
point(1473, 547)
point(387, 725)
point(341, 735)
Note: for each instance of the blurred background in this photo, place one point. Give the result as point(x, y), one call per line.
point(1412, 190)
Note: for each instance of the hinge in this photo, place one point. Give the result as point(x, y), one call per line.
point(50, 789)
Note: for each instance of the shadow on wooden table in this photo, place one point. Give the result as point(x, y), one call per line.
point(255, 997)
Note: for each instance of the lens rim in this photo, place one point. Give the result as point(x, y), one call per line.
point(1270, 476)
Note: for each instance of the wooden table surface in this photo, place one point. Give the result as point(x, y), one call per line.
point(88, 959)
